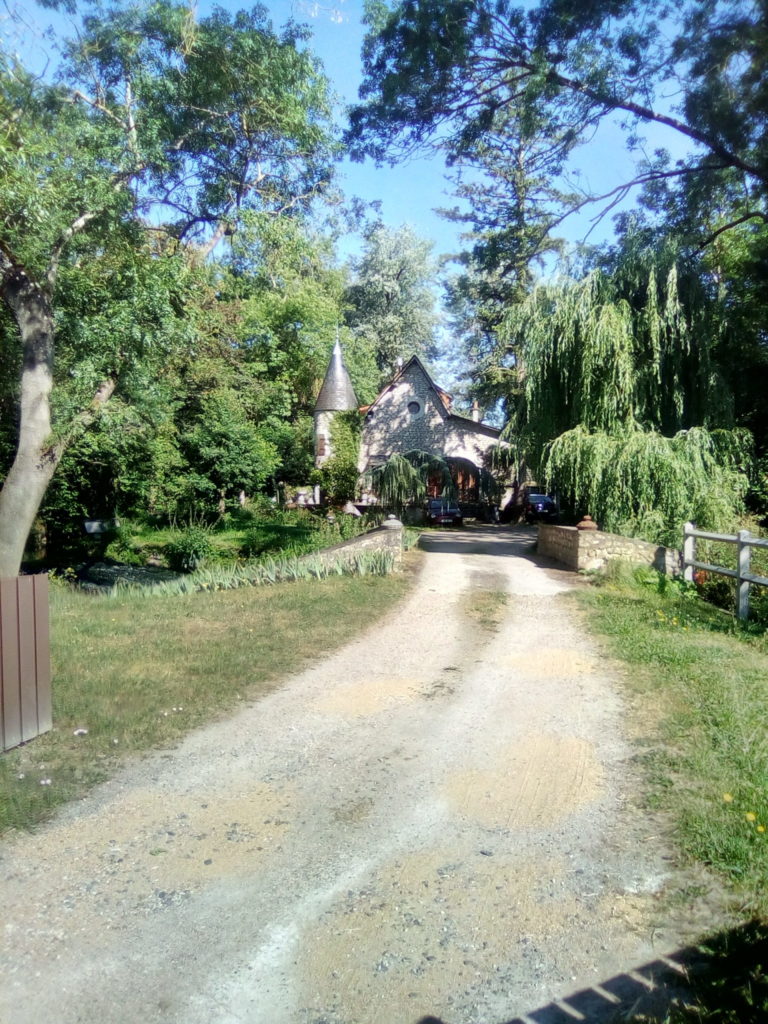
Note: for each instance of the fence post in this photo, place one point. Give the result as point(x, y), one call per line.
point(689, 551)
point(742, 590)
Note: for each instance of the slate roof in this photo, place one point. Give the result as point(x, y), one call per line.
point(337, 393)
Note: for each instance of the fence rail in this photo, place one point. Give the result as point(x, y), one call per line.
point(744, 542)
point(25, 663)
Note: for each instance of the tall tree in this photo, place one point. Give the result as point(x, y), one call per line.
point(159, 126)
point(623, 407)
point(391, 302)
point(447, 73)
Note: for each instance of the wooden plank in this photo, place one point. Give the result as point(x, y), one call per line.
point(724, 537)
point(717, 569)
point(9, 664)
point(43, 655)
point(27, 666)
point(2, 689)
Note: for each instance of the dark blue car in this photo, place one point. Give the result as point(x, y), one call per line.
point(540, 508)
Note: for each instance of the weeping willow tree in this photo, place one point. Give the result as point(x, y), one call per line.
point(643, 484)
point(403, 479)
point(622, 408)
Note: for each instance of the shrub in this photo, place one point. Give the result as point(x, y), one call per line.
point(121, 546)
point(189, 549)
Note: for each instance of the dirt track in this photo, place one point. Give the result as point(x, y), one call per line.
point(434, 821)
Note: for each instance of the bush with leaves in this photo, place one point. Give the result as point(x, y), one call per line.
point(189, 549)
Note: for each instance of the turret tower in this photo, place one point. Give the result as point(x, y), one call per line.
point(336, 395)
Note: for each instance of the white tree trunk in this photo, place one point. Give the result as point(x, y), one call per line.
point(36, 457)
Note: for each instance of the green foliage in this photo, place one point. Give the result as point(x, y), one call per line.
point(254, 533)
point(510, 94)
point(403, 479)
point(338, 480)
point(621, 407)
point(640, 483)
point(338, 475)
point(285, 569)
point(228, 452)
point(533, 82)
point(706, 751)
point(121, 547)
point(189, 549)
point(187, 125)
point(390, 302)
point(608, 351)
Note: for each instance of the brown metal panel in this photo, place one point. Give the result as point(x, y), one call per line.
point(27, 667)
point(42, 654)
point(9, 664)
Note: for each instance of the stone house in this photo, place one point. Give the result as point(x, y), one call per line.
point(410, 413)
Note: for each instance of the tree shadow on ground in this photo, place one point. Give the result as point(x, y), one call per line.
point(480, 539)
point(723, 980)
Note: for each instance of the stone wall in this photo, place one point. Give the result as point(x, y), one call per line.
point(387, 537)
point(560, 543)
point(593, 549)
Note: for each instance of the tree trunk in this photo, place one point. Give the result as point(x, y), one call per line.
point(36, 457)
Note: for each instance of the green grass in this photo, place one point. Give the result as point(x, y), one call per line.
point(138, 673)
point(703, 688)
point(700, 709)
point(241, 535)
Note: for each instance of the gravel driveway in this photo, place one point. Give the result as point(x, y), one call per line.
point(435, 821)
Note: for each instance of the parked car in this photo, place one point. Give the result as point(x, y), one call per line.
point(441, 512)
point(540, 508)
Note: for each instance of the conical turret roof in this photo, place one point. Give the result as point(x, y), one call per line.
point(337, 393)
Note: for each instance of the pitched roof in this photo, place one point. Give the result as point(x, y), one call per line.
point(337, 393)
point(444, 401)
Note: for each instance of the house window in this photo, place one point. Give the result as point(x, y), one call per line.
point(414, 408)
point(321, 445)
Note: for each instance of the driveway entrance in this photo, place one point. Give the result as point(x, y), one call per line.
point(435, 821)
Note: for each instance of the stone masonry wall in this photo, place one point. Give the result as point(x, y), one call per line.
point(593, 549)
point(391, 427)
point(560, 543)
point(388, 537)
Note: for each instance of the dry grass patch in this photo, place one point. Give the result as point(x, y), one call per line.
point(486, 608)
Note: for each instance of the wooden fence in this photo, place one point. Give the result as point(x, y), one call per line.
point(744, 578)
point(25, 663)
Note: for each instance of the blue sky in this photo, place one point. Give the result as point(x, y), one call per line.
point(409, 192)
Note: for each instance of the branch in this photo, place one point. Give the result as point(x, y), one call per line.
point(648, 114)
point(84, 419)
point(97, 105)
point(752, 215)
point(77, 225)
point(222, 229)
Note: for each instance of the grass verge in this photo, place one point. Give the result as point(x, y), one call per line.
point(700, 685)
point(139, 673)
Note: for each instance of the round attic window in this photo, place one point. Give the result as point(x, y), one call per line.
point(414, 408)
